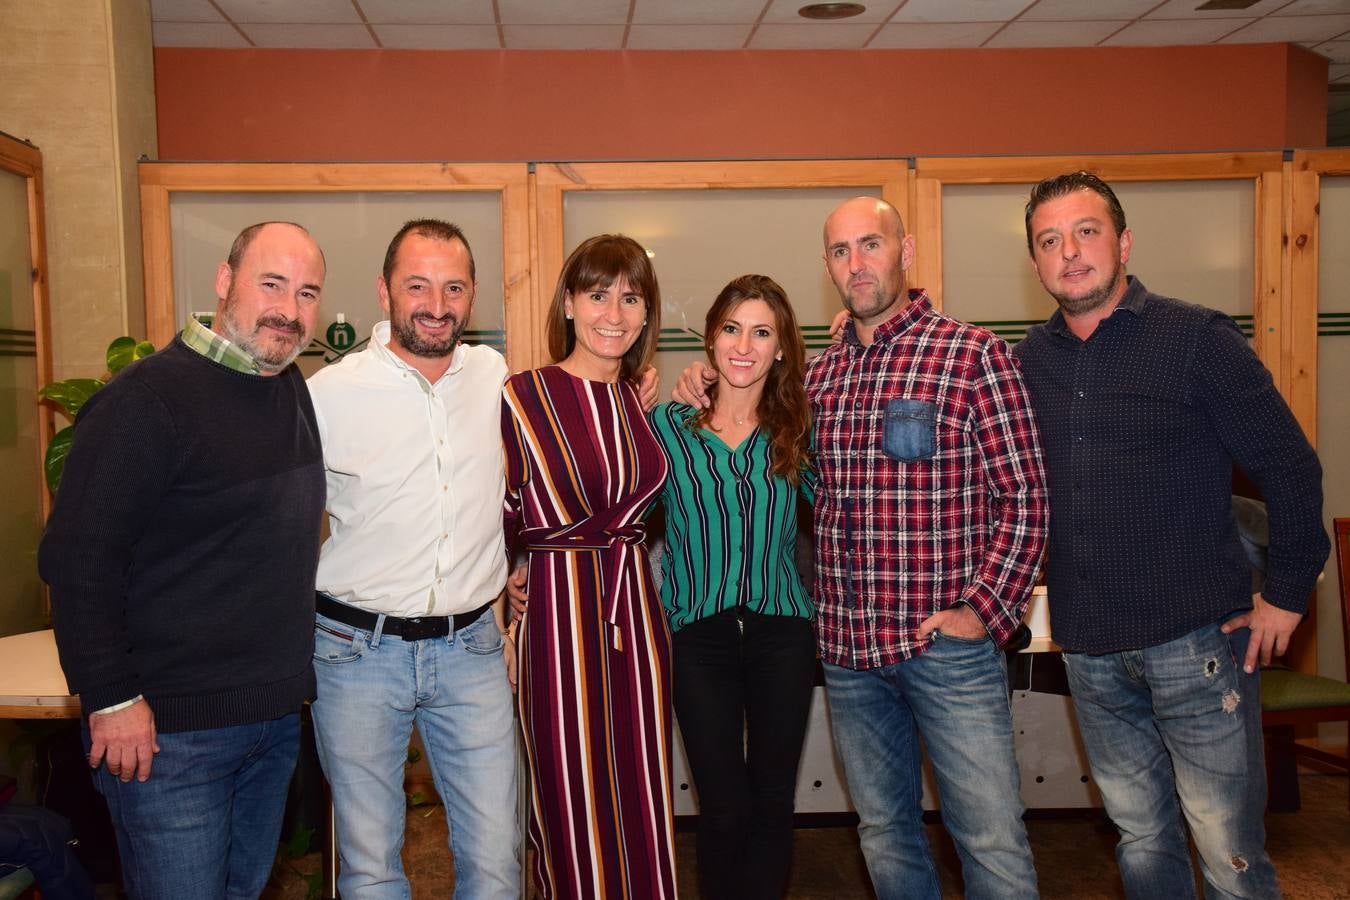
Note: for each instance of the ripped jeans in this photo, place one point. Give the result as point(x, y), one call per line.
point(1175, 730)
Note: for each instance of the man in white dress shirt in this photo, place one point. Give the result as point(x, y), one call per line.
point(409, 628)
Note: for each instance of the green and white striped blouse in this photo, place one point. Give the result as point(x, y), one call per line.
point(731, 526)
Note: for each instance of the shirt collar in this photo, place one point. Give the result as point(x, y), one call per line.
point(919, 307)
point(1133, 301)
point(218, 348)
point(379, 341)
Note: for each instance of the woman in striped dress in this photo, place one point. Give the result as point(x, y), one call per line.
point(745, 655)
point(582, 469)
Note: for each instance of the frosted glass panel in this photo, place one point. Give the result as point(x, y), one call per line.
point(354, 230)
point(1192, 240)
point(20, 474)
point(704, 238)
point(1333, 402)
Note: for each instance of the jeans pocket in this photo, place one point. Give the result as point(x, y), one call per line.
point(482, 637)
point(941, 635)
point(910, 430)
point(333, 646)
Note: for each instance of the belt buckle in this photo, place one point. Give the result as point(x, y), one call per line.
point(424, 627)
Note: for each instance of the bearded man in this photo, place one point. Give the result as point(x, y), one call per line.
point(409, 629)
point(181, 554)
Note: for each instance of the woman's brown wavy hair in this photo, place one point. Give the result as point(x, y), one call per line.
point(783, 412)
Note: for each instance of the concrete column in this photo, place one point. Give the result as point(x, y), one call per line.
point(78, 80)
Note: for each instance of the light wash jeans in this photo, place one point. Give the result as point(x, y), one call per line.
point(372, 687)
point(207, 822)
point(1176, 729)
point(954, 696)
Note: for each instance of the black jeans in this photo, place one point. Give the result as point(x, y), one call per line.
point(743, 694)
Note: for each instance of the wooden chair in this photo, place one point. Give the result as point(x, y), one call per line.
point(1291, 699)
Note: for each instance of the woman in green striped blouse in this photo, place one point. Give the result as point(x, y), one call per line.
point(744, 652)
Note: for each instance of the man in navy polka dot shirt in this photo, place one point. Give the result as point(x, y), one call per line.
point(1145, 404)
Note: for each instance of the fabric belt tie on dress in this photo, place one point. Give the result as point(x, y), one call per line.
point(417, 629)
point(615, 545)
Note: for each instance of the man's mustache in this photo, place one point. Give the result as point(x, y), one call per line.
point(282, 323)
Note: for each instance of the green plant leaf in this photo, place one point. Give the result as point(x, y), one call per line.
point(123, 351)
point(54, 463)
point(417, 798)
point(314, 886)
point(70, 394)
point(414, 755)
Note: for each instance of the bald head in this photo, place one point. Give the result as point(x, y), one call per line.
point(873, 207)
point(867, 253)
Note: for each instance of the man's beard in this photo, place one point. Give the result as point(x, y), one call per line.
point(1092, 300)
point(406, 334)
point(269, 356)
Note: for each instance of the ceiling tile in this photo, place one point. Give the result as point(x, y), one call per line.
point(563, 37)
point(811, 36)
point(1313, 7)
point(428, 12)
point(1336, 51)
point(697, 12)
point(1053, 34)
point(1165, 32)
point(327, 37)
point(183, 11)
point(1292, 28)
point(1064, 10)
point(289, 11)
point(197, 34)
point(1186, 9)
point(573, 12)
point(785, 11)
point(438, 37)
point(960, 10)
point(1338, 72)
point(919, 35)
point(687, 37)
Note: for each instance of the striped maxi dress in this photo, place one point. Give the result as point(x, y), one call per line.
point(582, 468)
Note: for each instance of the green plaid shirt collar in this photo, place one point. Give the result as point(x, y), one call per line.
point(221, 350)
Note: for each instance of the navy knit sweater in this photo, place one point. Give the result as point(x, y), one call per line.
point(182, 547)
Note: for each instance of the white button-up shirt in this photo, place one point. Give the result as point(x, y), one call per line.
point(415, 481)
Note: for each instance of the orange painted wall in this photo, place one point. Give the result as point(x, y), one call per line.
point(527, 105)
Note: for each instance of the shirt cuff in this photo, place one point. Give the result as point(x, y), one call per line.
point(118, 707)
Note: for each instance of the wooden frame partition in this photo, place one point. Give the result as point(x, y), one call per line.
point(553, 181)
point(1302, 251)
point(159, 181)
point(23, 159)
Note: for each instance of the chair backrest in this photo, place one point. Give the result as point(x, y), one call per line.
point(1342, 528)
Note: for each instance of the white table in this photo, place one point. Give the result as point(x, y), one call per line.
point(32, 685)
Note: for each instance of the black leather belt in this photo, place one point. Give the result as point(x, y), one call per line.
point(417, 629)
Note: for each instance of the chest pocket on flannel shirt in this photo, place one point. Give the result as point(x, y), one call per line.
point(910, 432)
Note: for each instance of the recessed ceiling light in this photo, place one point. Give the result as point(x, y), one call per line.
point(1214, 5)
point(831, 10)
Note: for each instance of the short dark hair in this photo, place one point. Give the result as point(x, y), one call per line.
point(597, 263)
point(436, 229)
point(1062, 185)
point(245, 240)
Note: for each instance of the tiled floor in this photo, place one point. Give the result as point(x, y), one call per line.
point(1074, 857)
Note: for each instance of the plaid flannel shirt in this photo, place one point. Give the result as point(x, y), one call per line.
point(964, 520)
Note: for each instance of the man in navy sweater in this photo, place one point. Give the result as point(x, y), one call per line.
point(1145, 404)
point(181, 554)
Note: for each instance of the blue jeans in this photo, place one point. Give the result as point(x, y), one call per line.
point(207, 822)
point(1176, 729)
point(372, 687)
point(954, 696)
